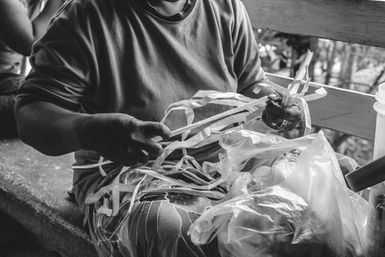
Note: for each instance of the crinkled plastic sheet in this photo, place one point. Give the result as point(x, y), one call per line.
point(252, 224)
point(283, 191)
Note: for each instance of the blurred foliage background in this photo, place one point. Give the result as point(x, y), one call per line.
point(350, 66)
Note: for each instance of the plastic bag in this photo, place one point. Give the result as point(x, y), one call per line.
point(284, 192)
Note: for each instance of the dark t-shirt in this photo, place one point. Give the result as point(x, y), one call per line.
point(102, 56)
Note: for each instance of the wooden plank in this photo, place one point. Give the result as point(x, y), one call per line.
point(358, 21)
point(342, 110)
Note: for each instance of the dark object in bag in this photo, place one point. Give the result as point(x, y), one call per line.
point(367, 176)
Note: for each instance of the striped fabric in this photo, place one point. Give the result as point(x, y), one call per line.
point(158, 223)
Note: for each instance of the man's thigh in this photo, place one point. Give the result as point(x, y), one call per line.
point(156, 227)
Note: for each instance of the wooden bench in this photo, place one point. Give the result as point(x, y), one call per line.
point(353, 21)
point(342, 110)
point(33, 187)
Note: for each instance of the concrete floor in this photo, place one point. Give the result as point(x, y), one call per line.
point(24, 246)
point(33, 191)
point(15, 241)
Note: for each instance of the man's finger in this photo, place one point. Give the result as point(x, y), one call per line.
point(292, 113)
point(151, 147)
point(118, 155)
point(132, 156)
point(151, 129)
point(138, 157)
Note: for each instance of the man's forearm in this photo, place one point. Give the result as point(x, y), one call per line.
point(48, 127)
point(118, 137)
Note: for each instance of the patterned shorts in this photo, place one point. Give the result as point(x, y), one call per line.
point(156, 227)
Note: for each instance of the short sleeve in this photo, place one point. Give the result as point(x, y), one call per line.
point(247, 65)
point(63, 63)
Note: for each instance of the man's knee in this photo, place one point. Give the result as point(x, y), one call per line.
point(161, 229)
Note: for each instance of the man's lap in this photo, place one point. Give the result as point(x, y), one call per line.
point(156, 227)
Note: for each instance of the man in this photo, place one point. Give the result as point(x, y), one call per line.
point(21, 24)
point(101, 79)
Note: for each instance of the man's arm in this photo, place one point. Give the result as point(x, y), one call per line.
point(17, 30)
point(119, 137)
point(252, 81)
point(48, 127)
point(63, 70)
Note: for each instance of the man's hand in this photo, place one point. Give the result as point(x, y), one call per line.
point(282, 115)
point(120, 137)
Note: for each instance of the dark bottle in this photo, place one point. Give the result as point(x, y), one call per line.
point(367, 176)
